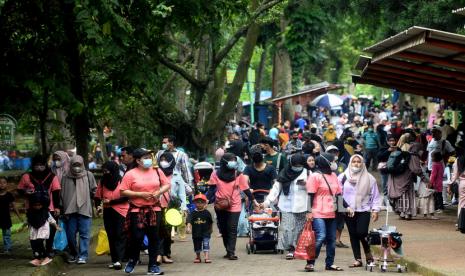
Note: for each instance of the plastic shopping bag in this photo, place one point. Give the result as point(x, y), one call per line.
point(60, 242)
point(306, 245)
point(103, 247)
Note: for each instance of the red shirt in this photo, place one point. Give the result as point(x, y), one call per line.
point(104, 193)
point(231, 190)
point(323, 202)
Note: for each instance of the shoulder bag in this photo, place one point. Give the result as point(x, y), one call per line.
point(337, 199)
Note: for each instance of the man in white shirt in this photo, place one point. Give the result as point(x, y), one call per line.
point(438, 144)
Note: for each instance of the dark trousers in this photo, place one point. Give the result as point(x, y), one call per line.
point(438, 201)
point(164, 248)
point(371, 155)
point(358, 232)
point(137, 238)
point(38, 248)
point(227, 222)
point(114, 225)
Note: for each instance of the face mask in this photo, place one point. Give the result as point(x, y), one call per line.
point(147, 163)
point(232, 165)
point(257, 158)
point(164, 146)
point(57, 163)
point(39, 168)
point(77, 169)
point(355, 170)
point(164, 164)
point(370, 130)
point(333, 166)
point(297, 169)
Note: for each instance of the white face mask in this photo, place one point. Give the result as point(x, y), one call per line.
point(355, 170)
point(164, 164)
point(77, 169)
point(58, 164)
point(333, 166)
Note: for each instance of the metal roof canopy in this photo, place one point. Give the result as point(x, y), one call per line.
point(418, 60)
point(460, 11)
point(321, 88)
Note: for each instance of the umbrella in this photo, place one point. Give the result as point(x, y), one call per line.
point(349, 96)
point(327, 100)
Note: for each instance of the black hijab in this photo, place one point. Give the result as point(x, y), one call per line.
point(168, 156)
point(110, 180)
point(287, 175)
point(323, 163)
point(223, 172)
point(37, 217)
point(43, 178)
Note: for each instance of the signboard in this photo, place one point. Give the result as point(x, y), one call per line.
point(7, 130)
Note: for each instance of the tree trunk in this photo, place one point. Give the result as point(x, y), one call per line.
point(101, 140)
point(259, 75)
point(81, 120)
point(43, 121)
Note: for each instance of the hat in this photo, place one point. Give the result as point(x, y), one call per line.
point(138, 153)
point(330, 148)
point(200, 196)
point(313, 125)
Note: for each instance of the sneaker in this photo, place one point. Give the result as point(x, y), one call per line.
point(117, 266)
point(130, 266)
point(434, 218)
point(111, 266)
point(71, 259)
point(438, 211)
point(81, 261)
point(46, 261)
point(154, 270)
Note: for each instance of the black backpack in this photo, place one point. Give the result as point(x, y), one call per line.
point(398, 162)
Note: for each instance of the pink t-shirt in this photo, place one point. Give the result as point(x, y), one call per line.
point(323, 202)
point(26, 185)
point(138, 180)
point(104, 193)
point(165, 198)
point(231, 190)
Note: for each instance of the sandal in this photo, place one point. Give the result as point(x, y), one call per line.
point(233, 258)
point(341, 245)
point(197, 261)
point(290, 256)
point(309, 268)
point(208, 261)
point(357, 263)
point(334, 268)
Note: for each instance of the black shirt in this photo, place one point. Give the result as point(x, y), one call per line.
point(201, 222)
point(5, 218)
point(261, 180)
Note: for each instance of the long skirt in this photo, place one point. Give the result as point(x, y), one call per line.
point(290, 229)
point(406, 205)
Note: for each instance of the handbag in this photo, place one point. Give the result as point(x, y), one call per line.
point(225, 203)
point(337, 199)
point(305, 249)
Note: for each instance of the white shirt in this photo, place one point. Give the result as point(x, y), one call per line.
point(433, 146)
point(297, 199)
point(298, 108)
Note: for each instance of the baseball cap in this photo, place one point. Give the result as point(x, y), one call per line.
point(330, 148)
point(138, 153)
point(201, 197)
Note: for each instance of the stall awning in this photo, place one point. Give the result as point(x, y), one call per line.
point(420, 61)
point(314, 89)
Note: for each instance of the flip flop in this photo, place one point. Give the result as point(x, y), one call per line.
point(197, 261)
point(334, 268)
point(357, 263)
point(309, 268)
point(208, 261)
point(290, 256)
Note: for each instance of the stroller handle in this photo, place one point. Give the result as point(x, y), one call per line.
point(273, 219)
point(260, 191)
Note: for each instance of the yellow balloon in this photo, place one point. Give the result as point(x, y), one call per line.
point(173, 217)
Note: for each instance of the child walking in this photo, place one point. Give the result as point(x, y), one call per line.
point(7, 201)
point(437, 173)
point(39, 220)
point(200, 221)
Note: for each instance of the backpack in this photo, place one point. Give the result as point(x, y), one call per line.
point(398, 162)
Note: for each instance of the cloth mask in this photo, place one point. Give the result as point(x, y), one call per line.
point(333, 166)
point(355, 170)
point(57, 164)
point(147, 163)
point(164, 146)
point(165, 164)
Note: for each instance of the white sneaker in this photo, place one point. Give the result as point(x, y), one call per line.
point(81, 261)
point(439, 211)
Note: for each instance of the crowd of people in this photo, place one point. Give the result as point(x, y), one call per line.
point(322, 169)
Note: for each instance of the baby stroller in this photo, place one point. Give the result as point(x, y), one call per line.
point(387, 238)
point(263, 228)
point(202, 172)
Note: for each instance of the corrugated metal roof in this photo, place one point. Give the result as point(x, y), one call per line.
point(322, 86)
point(460, 11)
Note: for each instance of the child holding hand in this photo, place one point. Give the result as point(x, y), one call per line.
point(200, 222)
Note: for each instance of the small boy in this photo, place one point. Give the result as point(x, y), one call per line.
point(6, 202)
point(200, 221)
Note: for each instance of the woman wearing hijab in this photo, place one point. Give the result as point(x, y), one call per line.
point(144, 186)
point(322, 188)
point(77, 190)
point(401, 188)
point(404, 142)
point(115, 209)
point(290, 194)
point(60, 164)
point(42, 180)
point(229, 183)
point(383, 156)
point(361, 193)
point(178, 192)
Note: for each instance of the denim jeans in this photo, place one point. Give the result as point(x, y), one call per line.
point(6, 233)
point(384, 180)
point(78, 223)
point(201, 244)
point(325, 230)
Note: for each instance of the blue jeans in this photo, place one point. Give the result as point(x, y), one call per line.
point(384, 180)
point(6, 233)
point(325, 230)
point(82, 224)
point(201, 244)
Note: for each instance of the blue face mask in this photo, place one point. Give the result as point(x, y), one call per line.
point(147, 163)
point(164, 146)
point(232, 165)
point(297, 169)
